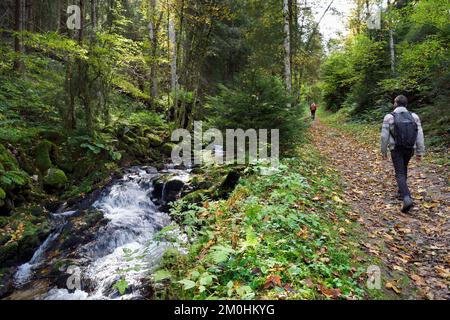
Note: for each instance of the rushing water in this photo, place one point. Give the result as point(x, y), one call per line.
point(123, 249)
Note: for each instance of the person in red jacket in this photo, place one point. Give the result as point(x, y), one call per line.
point(313, 110)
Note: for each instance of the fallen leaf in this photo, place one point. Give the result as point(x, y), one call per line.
point(398, 268)
point(390, 285)
point(337, 199)
point(329, 293)
point(308, 282)
point(272, 282)
point(289, 289)
point(444, 273)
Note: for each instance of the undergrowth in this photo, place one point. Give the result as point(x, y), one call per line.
point(287, 235)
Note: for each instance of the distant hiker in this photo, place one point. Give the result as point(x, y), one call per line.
point(313, 110)
point(402, 133)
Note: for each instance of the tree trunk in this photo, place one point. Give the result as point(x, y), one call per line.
point(173, 64)
point(83, 75)
point(19, 19)
point(94, 15)
point(58, 16)
point(70, 87)
point(153, 35)
point(287, 48)
point(174, 58)
point(392, 44)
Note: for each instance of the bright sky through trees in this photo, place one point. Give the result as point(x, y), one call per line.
point(335, 21)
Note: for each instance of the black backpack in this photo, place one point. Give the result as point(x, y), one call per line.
point(405, 130)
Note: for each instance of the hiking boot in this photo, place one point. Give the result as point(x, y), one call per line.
point(407, 204)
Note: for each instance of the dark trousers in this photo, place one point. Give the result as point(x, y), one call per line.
point(313, 115)
point(401, 158)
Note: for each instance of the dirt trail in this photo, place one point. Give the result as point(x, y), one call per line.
point(415, 245)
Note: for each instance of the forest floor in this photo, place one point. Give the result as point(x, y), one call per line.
point(412, 248)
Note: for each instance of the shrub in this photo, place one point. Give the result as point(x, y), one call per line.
point(255, 101)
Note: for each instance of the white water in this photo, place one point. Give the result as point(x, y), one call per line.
point(25, 271)
point(123, 249)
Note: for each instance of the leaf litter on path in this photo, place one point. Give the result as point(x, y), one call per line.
point(415, 245)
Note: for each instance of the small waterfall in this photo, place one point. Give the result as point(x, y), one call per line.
point(25, 271)
point(124, 248)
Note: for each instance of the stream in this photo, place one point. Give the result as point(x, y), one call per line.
point(122, 250)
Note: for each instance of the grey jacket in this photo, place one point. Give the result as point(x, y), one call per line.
point(387, 140)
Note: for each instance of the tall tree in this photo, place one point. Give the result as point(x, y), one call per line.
point(287, 47)
point(154, 27)
point(19, 19)
point(391, 43)
point(173, 56)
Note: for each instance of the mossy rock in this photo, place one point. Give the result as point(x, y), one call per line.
point(154, 140)
point(196, 197)
point(7, 161)
point(229, 184)
point(167, 148)
point(8, 253)
point(201, 183)
point(55, 179)
point(43, 161)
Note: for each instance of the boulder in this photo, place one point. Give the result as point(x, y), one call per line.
point(201, 183)
point(55, 179)
point(166, 190)
point(153, 140)
point(167, 148)
point(229, 184)
point(172, 190)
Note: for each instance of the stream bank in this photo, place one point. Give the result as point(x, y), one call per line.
point(107, 240)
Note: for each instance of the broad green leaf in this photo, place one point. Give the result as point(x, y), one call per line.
point(162, 275)
point(121, 286)
point(187, 284)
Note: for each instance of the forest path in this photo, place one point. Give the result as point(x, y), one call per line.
point(415, 245)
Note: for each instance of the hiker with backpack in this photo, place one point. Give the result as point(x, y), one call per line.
point(313, 109)
point(402, 133)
